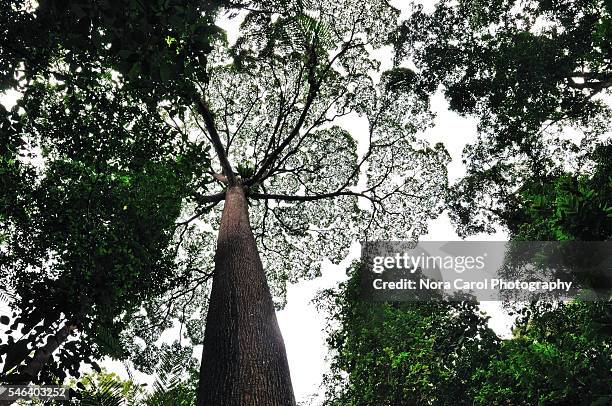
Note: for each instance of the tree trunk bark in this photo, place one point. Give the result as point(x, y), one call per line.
point(40, 358)
point(41, 355)
point(244, 361)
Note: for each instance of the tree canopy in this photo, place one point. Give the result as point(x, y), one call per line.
point(409, 353)
point(536, 75)
point(416, 353)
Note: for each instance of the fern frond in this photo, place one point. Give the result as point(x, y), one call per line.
point(108, 342)
point(170, 387)
point(5, 297)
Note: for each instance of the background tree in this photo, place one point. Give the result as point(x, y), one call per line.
point(403, 353)
point(96, 145)
point(567, 206)
point(536, 74)
point(527, 71)
point(560, 353)
point(174, 384)
point(567, 343)
point(94, 235)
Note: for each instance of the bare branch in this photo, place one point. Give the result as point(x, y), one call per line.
point(209, 121)
point(314, 87)
point(309, 198)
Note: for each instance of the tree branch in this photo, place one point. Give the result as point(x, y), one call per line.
point(296, 130)
point(594, 85)
point(216, 198)
point(314, 87)
point(216, 141)
point(295, 198)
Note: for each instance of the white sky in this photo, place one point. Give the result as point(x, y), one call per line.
point(301, 324)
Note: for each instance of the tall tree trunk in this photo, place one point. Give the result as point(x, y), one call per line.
point(244, 361)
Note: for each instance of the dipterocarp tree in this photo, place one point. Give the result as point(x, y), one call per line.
point(296, 183)
point(313, 146)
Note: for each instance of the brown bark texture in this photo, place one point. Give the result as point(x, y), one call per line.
point(244, 362)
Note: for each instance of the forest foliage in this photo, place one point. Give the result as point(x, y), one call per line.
point(108, 164)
